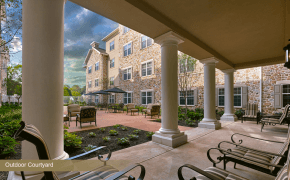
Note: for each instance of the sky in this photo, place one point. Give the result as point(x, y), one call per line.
point(81, 28)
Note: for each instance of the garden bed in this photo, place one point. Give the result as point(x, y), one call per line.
point(180, 123)
point(95, 141)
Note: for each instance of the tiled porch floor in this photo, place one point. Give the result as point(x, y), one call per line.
point(163, 162)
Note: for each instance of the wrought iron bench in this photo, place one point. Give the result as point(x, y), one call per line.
point(263, 161)
point(31, 133)
point(251, 113)
point(272, 121)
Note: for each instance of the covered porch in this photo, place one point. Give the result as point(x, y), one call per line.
point(227, 36)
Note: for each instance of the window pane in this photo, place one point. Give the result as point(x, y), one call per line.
point(149, 42)
point(143, 100)
point(125, 53)
point(143, 44)
point(149, 71)
point(125, 76)
point(237, 90)
point(149, 100)
point(125, 100)
point(221, 91)
point(129, 95)
point(129, 73)
point(129, 100)
point(143, 94)
point(190, 93)
point(149, 93)
point(221, 100)
point(286, 99)
point(237, 100)
point(182, 101)
point(190, 100)
point(286, 88)
point(129, 51)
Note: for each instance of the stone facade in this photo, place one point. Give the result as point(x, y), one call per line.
point(249, 78)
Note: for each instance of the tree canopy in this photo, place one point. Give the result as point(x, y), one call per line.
point(13, 81)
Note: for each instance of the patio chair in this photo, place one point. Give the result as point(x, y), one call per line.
point(110, 107)
point(121, 106)
point(130, 106)
point(144, 110)
point(283, 119)
point(87, 114)
point(153, 110)
point(267, 162)
point(251, 113)
point(215, 173)
point(31, 134)
point(73, 110)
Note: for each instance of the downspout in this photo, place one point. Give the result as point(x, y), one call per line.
point(261, 89)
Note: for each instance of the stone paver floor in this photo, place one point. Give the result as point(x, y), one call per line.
point(109, 119)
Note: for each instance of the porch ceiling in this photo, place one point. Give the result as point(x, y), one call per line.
point(241, 34)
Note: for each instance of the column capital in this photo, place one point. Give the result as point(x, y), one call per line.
point(228, 70)
point(210, 60)
point(169, 36)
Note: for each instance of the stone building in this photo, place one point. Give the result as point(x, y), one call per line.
point(132, 62)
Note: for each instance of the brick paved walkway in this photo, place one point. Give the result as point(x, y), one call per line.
point(109, 119)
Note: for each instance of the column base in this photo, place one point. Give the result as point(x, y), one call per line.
point(229, 117)
point(210, 124)
point(171, 140)
point(61, 175)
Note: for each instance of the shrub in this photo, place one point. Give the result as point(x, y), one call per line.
point(149, 134)
point(199, 110)
point(221, 113)
point(133, 136)
point(92, 134)
point(106, 139)
point(194, 115)
point(89, 148)
point(125, 109)
point(190, 122)
point(239, 113)
point(181, 117)
point(113, 132)
point(136, 131)
point(123, 141)
point(72, 140)
point(124, 128)
point(117, 126)
point(7, 145)
point(8, 128)
point(10, 114)
point(102, 129)
point(159, 120)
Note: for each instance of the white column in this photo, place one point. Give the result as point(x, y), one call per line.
point(209, 120)
point(229, 96)
point(169, 134)
point(43, 64)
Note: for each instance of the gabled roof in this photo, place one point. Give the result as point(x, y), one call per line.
point(99, 50)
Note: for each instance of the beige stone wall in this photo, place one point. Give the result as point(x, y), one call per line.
point(113, 54)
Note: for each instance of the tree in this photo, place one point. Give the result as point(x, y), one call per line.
point(83, 90)
point(186, 78)
point(66, 91)
point(13, 81)
point(75, 93)
point(76, 88)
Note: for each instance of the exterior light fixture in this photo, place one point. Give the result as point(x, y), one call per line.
point(287, 49)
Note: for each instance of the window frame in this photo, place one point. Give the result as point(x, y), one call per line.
point(282, 94)
point(110, 98)
point(131, 42)
point(152, 96)
point(112, 84)
point(89, 69)
point(193, 91)
point(97, 97)
point(152, 67)
point(112, 60)
point(97, 82)
point(126, 69)
point(97, 63)
point(89, 84)
point(128, 92)
point(125, 29)
point(146, 42)
point(241, 87)
point(112, 45)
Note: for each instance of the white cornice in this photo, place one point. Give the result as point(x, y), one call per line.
point(112, 34)
point(209, 60)
point(169, 36)
point(228, 70)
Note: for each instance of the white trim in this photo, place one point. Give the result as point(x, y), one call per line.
point(152, 97)
point(152, 70)
point(124, 29)
point(146, 41)
point(147, 90)
point(123, 69)
point(111, 34)
point(126, 67)
point(110, 45)
point(100, 52)
point(283, 82)
point(127, 96)
point(235, 86)
point(222, 87)
point(89, 68)
point(88, 56)
point(186, 99)
point(131, 48)
point(110, 63)
point(98, 82)
point(113, 81)
point(98, 66)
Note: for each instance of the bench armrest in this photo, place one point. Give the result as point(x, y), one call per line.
point(91, 151)
point(206, 174)
point(127, 169)
point(241, 141)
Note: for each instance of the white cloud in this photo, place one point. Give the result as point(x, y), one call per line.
point(83, 13)
point(16, 44)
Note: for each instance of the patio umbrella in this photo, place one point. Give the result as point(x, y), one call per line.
point(115, 90)
point(101, 92)
point(90, 94)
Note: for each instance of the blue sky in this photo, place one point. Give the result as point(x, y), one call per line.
point(81, 27)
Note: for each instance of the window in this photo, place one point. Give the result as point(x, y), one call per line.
point(97, 66)
point(112, 63)
point(126, 29)
point(286, 94)
point(90, 69)
point(237, 97)
point(112, 98)
point(127, 49)
point(145, 42)
point(189, 99)
point(112, 45)
point(147, 97)
point(186, 66)
point(127, 74)
point(96, 82)
point(146, 68)
point(90, 84)
point(97, 99)
point(111, 81)
point(127, 97)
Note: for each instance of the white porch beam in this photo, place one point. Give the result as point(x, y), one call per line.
point(209, 121)
point(229, 96)
point(169, 134)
